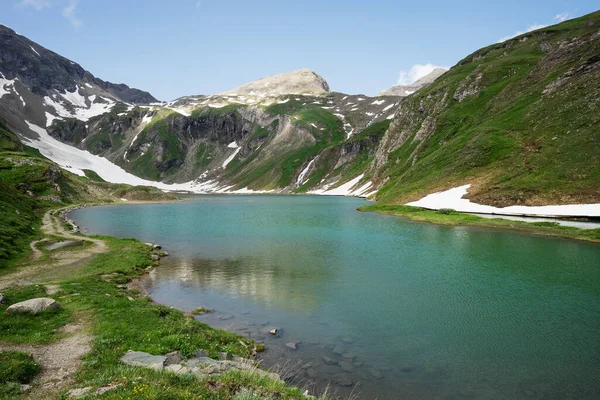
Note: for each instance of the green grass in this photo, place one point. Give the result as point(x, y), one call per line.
point(92, 175)
point(521, 145)
point(16, 368)
point(451, 217)
point(118, 324)
point(27, 328)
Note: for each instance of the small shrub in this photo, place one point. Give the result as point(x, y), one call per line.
point(446, 211)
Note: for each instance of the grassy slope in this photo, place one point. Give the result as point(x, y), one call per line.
point(30, 184)
point(515, 144)
point(450, 217)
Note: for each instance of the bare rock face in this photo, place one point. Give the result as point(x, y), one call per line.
point(33, 306)
point(302, 81)
point(407, 90)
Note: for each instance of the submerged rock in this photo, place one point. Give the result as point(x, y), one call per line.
point(375, 373)
point(33, 306)
point(346, 366)
point(329, 361)
point(342, 379)
point(292, 346)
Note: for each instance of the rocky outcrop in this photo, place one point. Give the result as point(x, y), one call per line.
point(407, 90)
point(201, 366)
point(33, 306)
point(302, 81)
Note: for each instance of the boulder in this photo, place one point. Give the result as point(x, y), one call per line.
point(224, 356)
point(273, 331)
point(141, 359)
point(33, 306)
point(174, 357)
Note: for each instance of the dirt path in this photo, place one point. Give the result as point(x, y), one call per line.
point(52, 225)
point(59, 362)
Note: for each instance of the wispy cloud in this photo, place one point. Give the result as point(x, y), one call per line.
point(562, 17)
point(35, 4)
point(416, 72)
point(198, 4)
point(528, 29)
point(69, 12)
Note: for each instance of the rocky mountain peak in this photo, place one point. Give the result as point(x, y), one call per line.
point(302, 81)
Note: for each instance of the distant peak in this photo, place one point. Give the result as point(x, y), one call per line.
point(301, 81)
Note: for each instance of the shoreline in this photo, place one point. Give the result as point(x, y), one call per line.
point(455, 218)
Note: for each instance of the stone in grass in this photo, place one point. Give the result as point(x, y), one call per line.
point(172, 358)
point(224, 356)
point(201, 353)
point(2, 298)
point(142, 359)
point(33, 306)
point(201, 310)
point(177, 369)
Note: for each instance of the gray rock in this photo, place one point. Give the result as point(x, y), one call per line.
point(350, 356)
point(312, 373)
point(307, 365)
point(346, 366)
point(154, 257)
point(33, 306)
point(177, 369)
point(201, 353)
point(338, 350)
point(375, 373)
point(329, 361)
point(74, 393)
point(224, 356)
point(142, 359)
point(274, 331)
point(291, 345)
point(105, 389)
point(172, 358)
point(342, 380)
point(52, 289)
point(2, 298)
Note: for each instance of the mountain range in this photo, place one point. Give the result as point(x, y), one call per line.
point(517, 120)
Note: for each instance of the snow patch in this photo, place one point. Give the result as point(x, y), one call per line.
point(231, 157)
point(35, 51)
point(342, 190)
point(233, 145)
point(377, 102)
point(388, 107)
point(453, 198)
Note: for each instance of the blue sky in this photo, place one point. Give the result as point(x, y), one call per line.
point(182, 47)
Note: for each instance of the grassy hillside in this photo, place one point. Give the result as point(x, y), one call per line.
point(30, 184)
point(518, 120)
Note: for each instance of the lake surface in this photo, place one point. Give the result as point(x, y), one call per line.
point(399, 309)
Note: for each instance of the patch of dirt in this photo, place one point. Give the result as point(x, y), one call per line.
point(59, 361)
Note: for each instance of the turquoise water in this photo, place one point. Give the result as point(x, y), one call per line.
point(410, 310)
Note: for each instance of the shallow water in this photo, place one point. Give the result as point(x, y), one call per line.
point(410, 310)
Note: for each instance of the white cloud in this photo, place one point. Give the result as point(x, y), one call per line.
point(69, 13)
point(415, 73)
point(562, 17)
point(35, 4)
point(529, 29)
